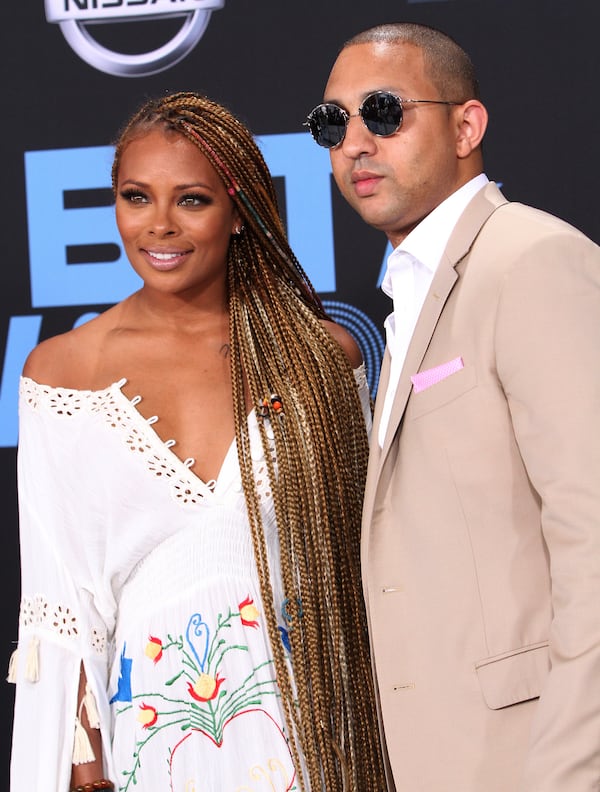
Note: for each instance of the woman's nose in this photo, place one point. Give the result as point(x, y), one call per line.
point(162, 222)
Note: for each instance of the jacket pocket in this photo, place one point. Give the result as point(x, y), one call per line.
point(441, 393)
point(514, 676)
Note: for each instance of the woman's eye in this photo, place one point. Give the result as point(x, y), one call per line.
point(195, 200)
point(133, 196)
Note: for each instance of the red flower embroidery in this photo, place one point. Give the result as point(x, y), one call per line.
point(249, 613)
point(147, 716)
point(205, 688)
point(154, 649)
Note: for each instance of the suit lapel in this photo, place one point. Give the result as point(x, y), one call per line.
point(442, 284)
point(459, 244)
point(384, 378)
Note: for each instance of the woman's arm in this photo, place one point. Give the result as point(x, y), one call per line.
point(89, 771)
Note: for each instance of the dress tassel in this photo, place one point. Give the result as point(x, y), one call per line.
point(82, 748)
point(89, 702)
point(13, 665)
point(32, 664)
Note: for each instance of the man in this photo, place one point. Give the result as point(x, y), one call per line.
point(481, 533)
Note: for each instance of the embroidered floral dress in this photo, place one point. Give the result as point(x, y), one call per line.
point(134, 567)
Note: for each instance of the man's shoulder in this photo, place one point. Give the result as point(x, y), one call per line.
point(510, 215)
point(518, 238)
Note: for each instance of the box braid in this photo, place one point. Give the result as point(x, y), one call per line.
point(279, 346)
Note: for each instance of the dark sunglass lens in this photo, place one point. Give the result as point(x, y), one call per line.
point(327, 124)
point(382, 113)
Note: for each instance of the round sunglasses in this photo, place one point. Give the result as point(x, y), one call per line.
point(381, 111)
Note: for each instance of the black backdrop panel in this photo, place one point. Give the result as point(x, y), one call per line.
point(268, 61)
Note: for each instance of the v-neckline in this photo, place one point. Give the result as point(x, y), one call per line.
point(213, 486)
point(120, 412)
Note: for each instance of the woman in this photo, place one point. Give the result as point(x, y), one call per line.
point(191, 615)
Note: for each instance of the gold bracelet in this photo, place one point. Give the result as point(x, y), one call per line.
point(93, 786)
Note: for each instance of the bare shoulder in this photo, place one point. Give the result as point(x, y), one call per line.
point(67, 360)
point(346, 341)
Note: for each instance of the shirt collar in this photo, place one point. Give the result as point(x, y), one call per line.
point(427, 241)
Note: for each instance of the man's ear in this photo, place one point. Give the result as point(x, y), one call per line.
point(472, 118)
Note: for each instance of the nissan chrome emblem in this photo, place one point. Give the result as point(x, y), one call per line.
point(76, 17)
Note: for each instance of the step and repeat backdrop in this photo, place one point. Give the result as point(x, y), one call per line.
point(74, 70)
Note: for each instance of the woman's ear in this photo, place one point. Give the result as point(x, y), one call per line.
point(472, 118)
point(237, 225)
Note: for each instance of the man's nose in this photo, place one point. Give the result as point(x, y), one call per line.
point(358, 141)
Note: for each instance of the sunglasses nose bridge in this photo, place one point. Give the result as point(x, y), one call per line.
point(350, 116)
point(347, 118)
point(357, 139)
point(358, 115)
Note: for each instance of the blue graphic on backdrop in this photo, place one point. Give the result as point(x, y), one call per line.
point(365, 332)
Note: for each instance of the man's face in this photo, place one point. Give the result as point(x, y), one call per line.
point(393, 182)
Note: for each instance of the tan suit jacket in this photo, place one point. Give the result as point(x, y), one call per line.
point(481, 535)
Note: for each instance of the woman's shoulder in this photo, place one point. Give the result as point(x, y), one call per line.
point(67, 360)
point(346, 341)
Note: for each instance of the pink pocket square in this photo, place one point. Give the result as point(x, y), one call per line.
point(425, 379)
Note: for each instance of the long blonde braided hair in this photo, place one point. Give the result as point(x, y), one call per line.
point(279, 346)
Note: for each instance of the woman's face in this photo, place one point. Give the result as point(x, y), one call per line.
point(174, 215)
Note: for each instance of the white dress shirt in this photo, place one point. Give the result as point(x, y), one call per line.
point(410, 270)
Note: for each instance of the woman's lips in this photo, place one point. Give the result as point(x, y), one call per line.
point(164, 260)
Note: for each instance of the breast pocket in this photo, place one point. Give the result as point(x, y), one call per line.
point(443, 392)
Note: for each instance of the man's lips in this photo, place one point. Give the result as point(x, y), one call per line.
point(365, 182)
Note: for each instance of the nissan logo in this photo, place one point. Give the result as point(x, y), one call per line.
point(77, 17)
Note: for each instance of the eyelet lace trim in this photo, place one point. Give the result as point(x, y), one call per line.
point(187, 490)
point(38, 612)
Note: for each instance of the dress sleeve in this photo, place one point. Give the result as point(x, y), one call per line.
point(60, 629)
point(360, 375)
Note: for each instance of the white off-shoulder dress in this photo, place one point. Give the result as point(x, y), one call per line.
point(135, 568)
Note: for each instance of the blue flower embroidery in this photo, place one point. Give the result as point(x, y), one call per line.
point(124, 684)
